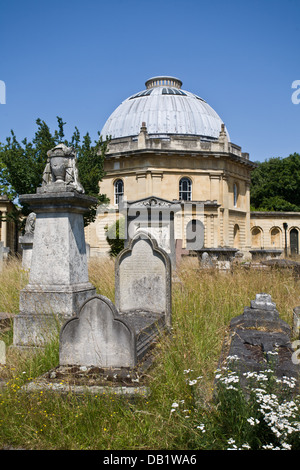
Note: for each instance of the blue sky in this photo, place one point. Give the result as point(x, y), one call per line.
point(80, 59)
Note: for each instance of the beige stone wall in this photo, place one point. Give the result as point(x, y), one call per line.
point(267, 229)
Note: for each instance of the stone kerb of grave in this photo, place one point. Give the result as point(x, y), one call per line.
point(109, 336)
point(259, 339)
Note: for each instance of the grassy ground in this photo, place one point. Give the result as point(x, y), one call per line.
point(180, 381)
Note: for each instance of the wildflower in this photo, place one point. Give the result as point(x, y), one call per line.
point(286, 446)
point(253, 421)
point(192, 382)
point(174, 406)
point(232, 442)
point(268, 447)
point(201, 427)
point(246, 446)
point(232, 358)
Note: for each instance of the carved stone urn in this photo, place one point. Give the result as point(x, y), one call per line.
point(59, 166)
point(60, 173)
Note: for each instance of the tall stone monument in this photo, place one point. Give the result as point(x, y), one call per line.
point(58, 279)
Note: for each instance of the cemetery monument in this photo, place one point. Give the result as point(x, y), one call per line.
point(58, 278)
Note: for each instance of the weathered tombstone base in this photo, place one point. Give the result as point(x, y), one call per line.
point(260, 340)
point(44, 311)
point(92, 380)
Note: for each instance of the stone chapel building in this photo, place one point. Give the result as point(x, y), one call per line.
point(170, 143)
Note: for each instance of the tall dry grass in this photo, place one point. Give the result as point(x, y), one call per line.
point(12, 279)
point(203, 303)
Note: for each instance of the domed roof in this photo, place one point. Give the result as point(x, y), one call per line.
point(165, 109)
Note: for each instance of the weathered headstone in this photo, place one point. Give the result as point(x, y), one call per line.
point(143, 278)
point(97, 337)
point(58, 278)
point(260, 339)
point(108, 336)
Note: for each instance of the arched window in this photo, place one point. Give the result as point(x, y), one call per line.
point(235, 194)
point(119, 190)
point(185, 189)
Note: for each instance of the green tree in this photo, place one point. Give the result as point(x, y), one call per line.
point(115, 236)
point(275, 184)
point(22, 164)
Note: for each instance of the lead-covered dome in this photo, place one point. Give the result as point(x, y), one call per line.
point(165, 109)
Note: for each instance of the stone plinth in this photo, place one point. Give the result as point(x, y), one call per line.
point(221, 257)
point(26, 242)
point(58, 279)
point(264, 254)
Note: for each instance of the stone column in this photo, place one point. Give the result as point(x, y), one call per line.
point(225, 211)
point(58, 279)
point(4, 228)
point(247, 229)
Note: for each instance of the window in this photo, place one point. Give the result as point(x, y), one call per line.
point(185, 189)
point(119, 191)
point(235, 194)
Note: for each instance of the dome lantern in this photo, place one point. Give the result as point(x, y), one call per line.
point(163, 81)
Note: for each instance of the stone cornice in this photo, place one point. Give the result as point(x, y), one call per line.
point(181, 153)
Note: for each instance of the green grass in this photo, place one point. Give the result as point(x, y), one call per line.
point(203, 304)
